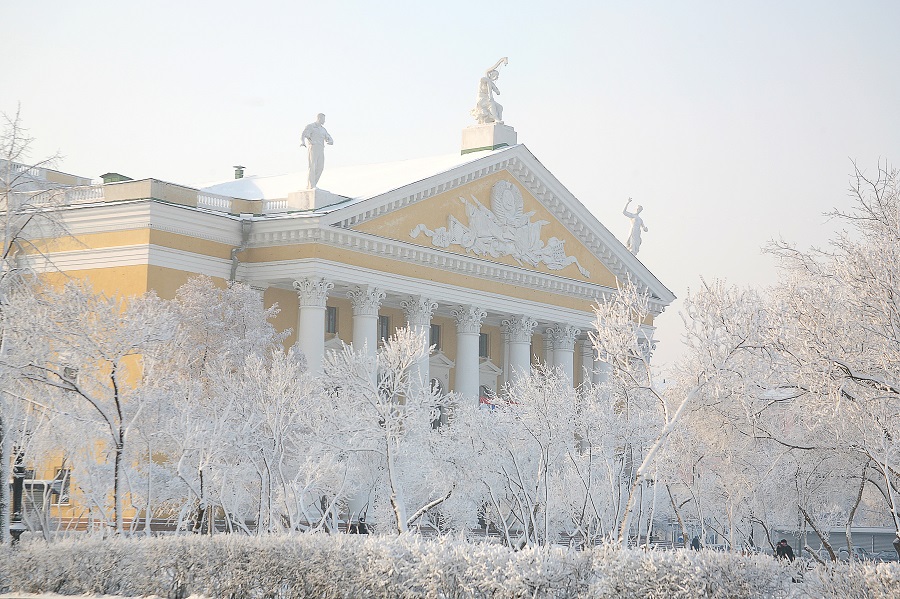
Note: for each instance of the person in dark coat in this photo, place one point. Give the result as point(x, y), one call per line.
point(784, 551)
point(695, 543)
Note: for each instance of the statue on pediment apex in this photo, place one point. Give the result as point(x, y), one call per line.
point(487, 109)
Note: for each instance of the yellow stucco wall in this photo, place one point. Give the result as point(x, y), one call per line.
point(119, 280)
point(288, 314)
point(90, 241)
point(191, 244)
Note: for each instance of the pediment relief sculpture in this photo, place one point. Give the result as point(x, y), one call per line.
point(504, 229)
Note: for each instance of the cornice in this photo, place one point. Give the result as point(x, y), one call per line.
point(448, 261)
point(413, 193)
point(130, 255)
point(152, 214)
point(398, 287)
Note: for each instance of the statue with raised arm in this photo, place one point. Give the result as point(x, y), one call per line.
point(637, 225)
point(314, 137)
point(487, 109)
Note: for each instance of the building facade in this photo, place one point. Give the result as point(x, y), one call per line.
point(485, 252)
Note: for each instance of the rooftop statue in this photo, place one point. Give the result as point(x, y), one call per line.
point(637, 225)
point(487, 109)
point(317, 136)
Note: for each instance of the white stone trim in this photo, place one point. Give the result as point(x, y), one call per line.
point(131, 255)
point(136, 215)
point(285, 272)
point(469, 266)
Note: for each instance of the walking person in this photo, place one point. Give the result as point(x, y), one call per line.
point(784, 551)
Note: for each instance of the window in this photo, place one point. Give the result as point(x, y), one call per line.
point(436, 336)
point(384, 328)
point(38, 494)
point(59, 487)
point(439, 416)
point(330, 319)
point(70, 374)
point(483, 345)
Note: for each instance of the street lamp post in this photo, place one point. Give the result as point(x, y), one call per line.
point(16, 526)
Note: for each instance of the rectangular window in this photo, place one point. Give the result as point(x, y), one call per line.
point(436, 336)
point(330, 319)
point(384, 328)
point(483, 345)
point(59, 488)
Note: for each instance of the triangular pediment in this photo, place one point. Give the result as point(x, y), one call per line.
point(494, 218)
point(439, 360)
point(507, 209)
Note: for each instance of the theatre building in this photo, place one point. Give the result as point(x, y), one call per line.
point(484, 250)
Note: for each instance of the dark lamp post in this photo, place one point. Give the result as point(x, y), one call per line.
point(16, 526)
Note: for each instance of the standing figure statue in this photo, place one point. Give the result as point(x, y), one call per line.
point(317, 136)
point(487, 109)
point(637, 225)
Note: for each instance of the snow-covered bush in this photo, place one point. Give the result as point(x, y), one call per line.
point(320, 565)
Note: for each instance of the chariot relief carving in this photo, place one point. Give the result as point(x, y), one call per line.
point(504, 229)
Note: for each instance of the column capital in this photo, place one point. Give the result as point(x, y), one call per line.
point(366, 300)
point(563, 336)
point(313, 291)
point(418, 309)
point(468, 318)
point(519, 328)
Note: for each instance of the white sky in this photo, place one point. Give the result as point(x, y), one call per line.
point(732, 123)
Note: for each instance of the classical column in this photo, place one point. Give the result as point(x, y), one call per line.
point(418, 310)
point(549, 356)
point(468, 328)
point(587, 360)
point(602, 371)
point(563, 336)
point(312, 294)
point(366, 301)
point(518, 331)
point(504, 339)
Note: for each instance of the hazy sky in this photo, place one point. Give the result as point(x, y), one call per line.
point(732, 123)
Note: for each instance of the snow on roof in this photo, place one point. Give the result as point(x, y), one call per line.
point(355, 182)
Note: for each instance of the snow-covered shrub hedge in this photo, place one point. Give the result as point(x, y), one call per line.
point(349, 566)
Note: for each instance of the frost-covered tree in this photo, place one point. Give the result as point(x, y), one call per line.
point(540, 465)
point(82, 353)
point(223, 341)
point(380, 425)
point(842, 329)
point(625, 344)
point(23, 215)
